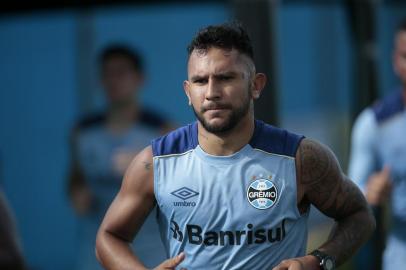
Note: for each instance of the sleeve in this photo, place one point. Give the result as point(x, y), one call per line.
point(363, 158)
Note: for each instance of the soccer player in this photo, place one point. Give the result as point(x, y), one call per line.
point(233, 192)
point(378, 158)
point(103, 146)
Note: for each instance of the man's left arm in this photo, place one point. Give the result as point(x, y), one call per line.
point(322, 183)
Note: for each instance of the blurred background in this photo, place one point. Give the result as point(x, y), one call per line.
point(325, 62)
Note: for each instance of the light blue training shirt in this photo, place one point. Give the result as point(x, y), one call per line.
point(379, 139)
point(229, 212)
point(96, 148)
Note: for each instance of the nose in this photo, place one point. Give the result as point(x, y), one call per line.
point(213, 91)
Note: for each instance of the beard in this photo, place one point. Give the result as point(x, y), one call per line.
point(231, 120)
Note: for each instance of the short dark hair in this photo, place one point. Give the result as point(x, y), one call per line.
point(225, 36)
point(122, 51)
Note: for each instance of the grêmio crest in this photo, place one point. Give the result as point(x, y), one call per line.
point(262, 193)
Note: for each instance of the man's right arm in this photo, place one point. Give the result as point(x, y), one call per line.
point(362, 158)
point(78, 191)
point(126, 215)
point(363, 168)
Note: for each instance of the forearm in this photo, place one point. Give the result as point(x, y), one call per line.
point(348, 234)
point(115, 253)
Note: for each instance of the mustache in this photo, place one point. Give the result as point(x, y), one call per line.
point(215, 106)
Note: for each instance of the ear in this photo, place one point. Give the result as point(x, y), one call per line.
point(186, 87)
point(259, 84)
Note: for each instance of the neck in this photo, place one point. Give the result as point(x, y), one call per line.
point(122, 116)
point(229, 142)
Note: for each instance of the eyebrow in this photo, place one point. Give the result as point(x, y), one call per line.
point(227, 73)
point(197, 77)
point(216, 75)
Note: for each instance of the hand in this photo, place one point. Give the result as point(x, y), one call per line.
point(82, 200)
point(308, 262)
point(379, 187)
point(172, 263)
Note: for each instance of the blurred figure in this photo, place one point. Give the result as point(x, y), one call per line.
point(103, 146)
point(378, 159)
point(10, 252)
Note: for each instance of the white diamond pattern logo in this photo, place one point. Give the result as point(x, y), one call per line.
point(184, 193)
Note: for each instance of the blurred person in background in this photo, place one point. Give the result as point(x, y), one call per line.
point(378, 160)
point(10, 250)
point(103, 145)
point(233, 192)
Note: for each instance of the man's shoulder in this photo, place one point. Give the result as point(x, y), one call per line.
point(91, 120)
point(175, 142)
point(146, 117)
point(275, 140)
point(152, 119)
point(388, 107)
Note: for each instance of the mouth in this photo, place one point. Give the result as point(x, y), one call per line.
point(215, 112)
point(216, 108)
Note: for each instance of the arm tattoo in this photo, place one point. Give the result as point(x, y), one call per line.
point(326, 187)
point(147, 165)
point(316, 166)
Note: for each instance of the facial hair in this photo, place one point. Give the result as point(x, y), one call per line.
point(232, 120)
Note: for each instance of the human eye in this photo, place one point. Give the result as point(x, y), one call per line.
point(226, 77)
point(199, 80)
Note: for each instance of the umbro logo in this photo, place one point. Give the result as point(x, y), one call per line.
point(184, 194)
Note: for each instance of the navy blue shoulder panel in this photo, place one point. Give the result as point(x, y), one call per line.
point(152, 119)
point(91, 120)
point(176, 142)
point(146, 117)
point(388, 106)
point(275, 140)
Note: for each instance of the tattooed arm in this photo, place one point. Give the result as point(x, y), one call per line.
point(322, 183)
point(125, 217)
point(325, 186)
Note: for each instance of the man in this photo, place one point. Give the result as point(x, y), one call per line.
point(103, 145)
point(378, 157)
point(232, 191)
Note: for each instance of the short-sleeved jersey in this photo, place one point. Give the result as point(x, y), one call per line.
point(229, 212)
point(96, 149)
point(379, 139)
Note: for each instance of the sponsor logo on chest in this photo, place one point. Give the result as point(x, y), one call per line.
point(195, 235)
